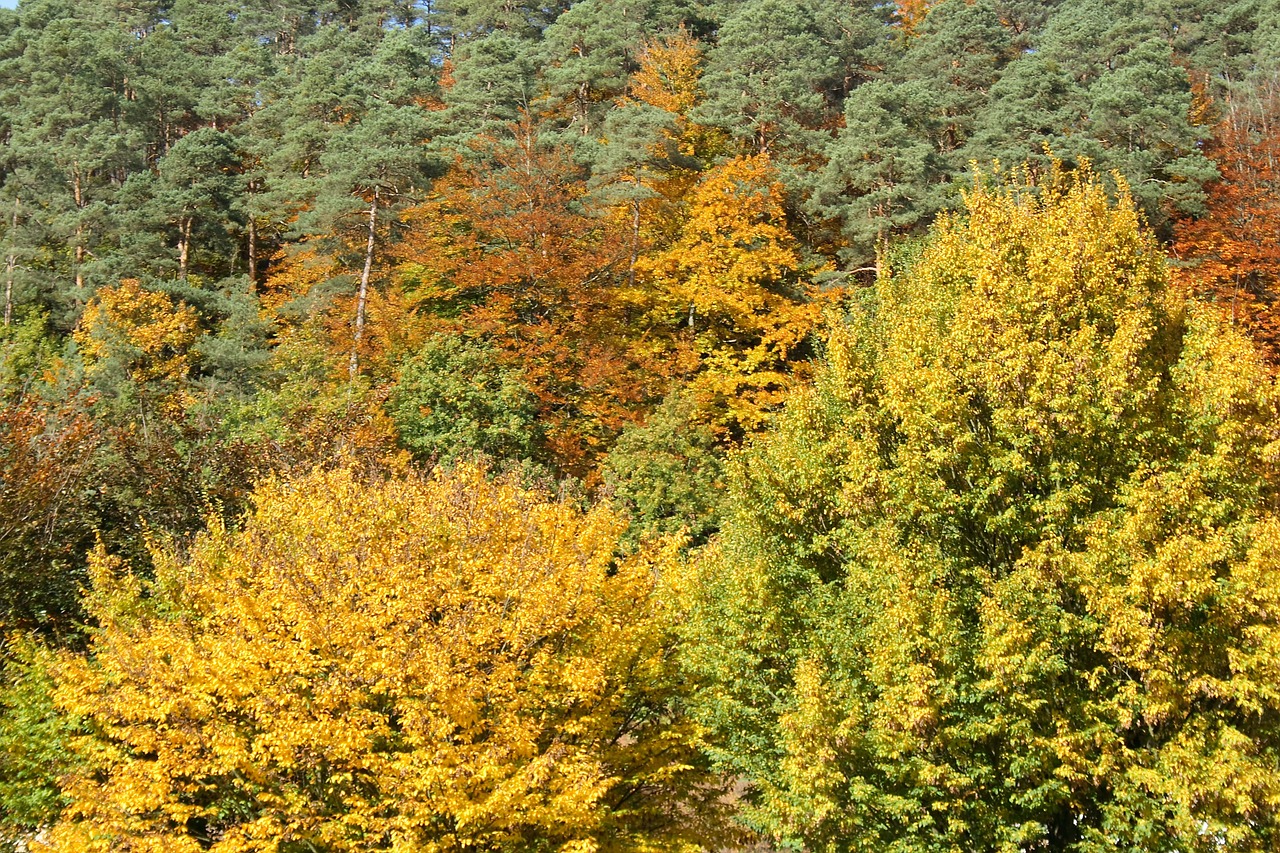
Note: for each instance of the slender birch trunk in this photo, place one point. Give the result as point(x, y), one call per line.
point(11, 266)
point(253, 254)
point(184, 247)
point(363, 297)
point(78, 192)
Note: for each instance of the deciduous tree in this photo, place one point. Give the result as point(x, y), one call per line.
point(736, 279)
point(1008, 577)
point(439, 664)
point(1233, 250)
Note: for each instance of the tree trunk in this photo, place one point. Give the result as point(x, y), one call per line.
point(184, 247)
point(253, 254)
point(79, 197)
point(11, 264)
point(363, 297)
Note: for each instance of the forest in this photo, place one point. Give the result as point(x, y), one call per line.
point(600, 426)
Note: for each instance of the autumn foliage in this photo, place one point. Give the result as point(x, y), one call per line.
point(45, 454)
point(1006, 577)
point(437, 664)
point(661, 425)
point(505, 250)
point(143, 332)
point(1233, 251)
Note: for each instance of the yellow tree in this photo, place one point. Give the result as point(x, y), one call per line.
point(737, 279)
point(911, 14)
point(143, 332)
point(1007, 578)
point(439, 664)
point(654, 149)
point(670, 79)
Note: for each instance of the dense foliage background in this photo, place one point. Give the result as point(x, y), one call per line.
point(874, 401)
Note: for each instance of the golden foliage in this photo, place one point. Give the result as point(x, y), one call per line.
point(911, 14)
point(294, 274)
point(437, 664)
point(1013, 559)
point(146, 332)
point(736, 270)
point(670, 79)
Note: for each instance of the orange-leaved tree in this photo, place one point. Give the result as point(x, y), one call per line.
point(432, 664)
point(506, 250)
point(46, 511)
point(1234, 249)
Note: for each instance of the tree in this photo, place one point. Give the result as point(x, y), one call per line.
point(34, 741)
point(884, 177)
point(373, 157)
point(505, 250)
point(591, 50)
point(436, 664)
point(71, 139)
point(892, 166)
point(1102, 84)
point(467, 20)
point(139, 332)
point(736, 279)
point(454, 399)
point(494, 83)
point(46, 512)
point(1007, 577)
point(1232, 250)
point(196, 185)
point(666, 475)
point(765, 76)
point(653, 151)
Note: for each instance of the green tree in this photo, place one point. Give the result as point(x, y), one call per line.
point(191, 196)
point(71, 139)
point(1007, 577)
point(370, 157)
point(1103, 84)
point(591, 50)
point(884, 176)
point(34, 741)
point(892, 166)
point(765, 75)
point(454, 400)
point(667, 474)
point(494, 84)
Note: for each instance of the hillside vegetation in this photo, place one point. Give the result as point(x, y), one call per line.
point(627, 425)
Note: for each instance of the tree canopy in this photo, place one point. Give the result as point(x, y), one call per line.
point(1006, 576)
point(442, 663)
point(647, 425)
